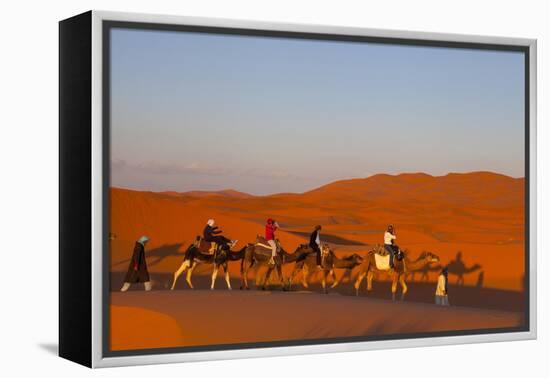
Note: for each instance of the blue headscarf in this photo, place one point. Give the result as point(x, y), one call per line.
point(144, 239)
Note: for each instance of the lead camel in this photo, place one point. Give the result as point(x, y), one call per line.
point(373, 265)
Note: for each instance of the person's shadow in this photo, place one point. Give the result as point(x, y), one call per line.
point(480, 279)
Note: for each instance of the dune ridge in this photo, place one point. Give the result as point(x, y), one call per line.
point(480, 214)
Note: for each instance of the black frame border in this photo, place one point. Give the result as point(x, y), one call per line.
point(108, 25)
point(75, 188)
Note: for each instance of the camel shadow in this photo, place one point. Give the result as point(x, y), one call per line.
point(157, 255)
point(457, 268)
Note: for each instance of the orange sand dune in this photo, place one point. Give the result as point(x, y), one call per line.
point(203, 317)
point(138, 328)
point(480, 214)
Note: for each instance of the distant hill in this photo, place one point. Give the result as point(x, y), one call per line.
point(206, 193)
point(484, 189)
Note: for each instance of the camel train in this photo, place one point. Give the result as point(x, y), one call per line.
point(260, 253)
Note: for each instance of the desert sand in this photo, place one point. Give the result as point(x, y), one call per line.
point(474, 221)
point(204, 317)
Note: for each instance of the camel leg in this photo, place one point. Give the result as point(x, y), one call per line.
point(370, 276)
point(281, 277)
point(292, 276)
point(214, 275)
point(393, 287)
point(335, 279)
point(179, 272)
point(358, 281)
point(244, 280)
point(246, 269)
point(298, 267)
point(266, 277)
point(227, 278)
point(259, 277)
point(357, 284)
point(305, 276)
point(244, 275)
point(190, 274)
point(404, 287)
point(324, 281)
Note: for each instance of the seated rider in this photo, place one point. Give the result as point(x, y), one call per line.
point(212, 234)
point(389, 237)
point(270, 227)
point(315, 243)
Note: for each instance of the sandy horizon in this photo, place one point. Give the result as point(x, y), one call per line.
point(228, 191)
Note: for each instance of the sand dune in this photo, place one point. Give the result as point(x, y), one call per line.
point(137, 328)
point(203, 317)
point(480, 214)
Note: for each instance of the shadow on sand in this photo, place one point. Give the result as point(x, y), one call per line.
point(457, 270)
point(459, 295)
point(155, 255)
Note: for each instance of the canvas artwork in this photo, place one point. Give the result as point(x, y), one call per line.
point(272, 191)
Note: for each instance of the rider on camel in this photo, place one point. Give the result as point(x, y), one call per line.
point(211, 234)
point(315, 243)
point(389, 243)
point(270, 228)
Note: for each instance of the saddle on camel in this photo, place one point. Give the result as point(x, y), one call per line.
point(207, 248)
point(321, 258)
point(262, 242)
point(382, 257)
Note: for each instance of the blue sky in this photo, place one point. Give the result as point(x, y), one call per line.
point(263, 115)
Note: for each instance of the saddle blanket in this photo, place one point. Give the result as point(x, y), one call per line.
point(382, 262)
point(264, 245)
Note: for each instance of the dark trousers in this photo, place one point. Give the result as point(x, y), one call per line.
point(316, 248)
point(391, 251)
point(220, 240)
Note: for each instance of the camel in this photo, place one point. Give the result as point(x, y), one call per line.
point(329, 262)
point(398, 273)
point(347, 263)
point(424, 272)
point(259, 253)
point(194, 257)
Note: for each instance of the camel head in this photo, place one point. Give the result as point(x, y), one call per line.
point(325, 249)
point(354, 258)
point(429, 257)
point(357, 259)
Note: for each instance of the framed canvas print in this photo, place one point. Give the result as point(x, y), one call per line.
point(234, 189)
